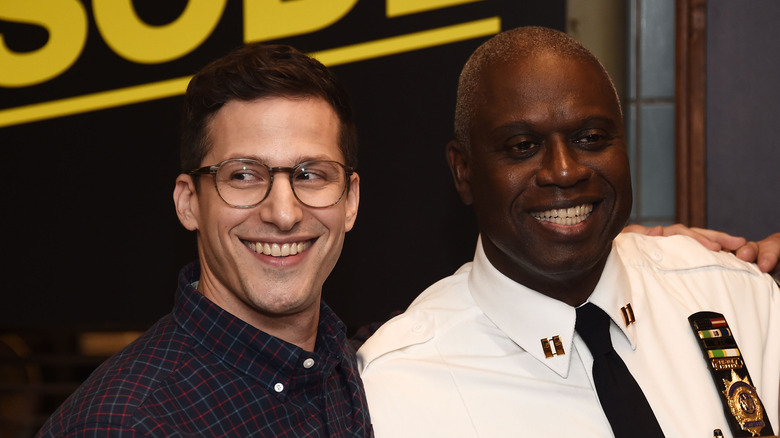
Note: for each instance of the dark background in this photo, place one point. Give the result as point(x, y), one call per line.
point(89, 233)
point(743, 111)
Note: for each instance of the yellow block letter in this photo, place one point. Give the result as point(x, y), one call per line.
point(405, 7)
point(66, 22)
point(270, 19)
point(136, 41)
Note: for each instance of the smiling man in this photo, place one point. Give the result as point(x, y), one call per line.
point(506, 345)
point(250, 349)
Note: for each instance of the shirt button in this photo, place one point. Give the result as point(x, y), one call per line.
point(418, 327)
point(278, 387)
point(308, 363)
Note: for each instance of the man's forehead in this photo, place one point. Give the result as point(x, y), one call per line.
point(533, 66)
point(544, 76)
point(306, 127)
point(543, 96)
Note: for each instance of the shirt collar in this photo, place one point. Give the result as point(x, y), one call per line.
point(613, 295)
point(253, 352)
point(529, 317)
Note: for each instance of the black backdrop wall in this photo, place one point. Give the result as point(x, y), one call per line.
point(89, 234)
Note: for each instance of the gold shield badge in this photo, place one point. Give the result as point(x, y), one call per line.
point(744, 403)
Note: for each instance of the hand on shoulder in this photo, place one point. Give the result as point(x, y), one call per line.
point(765, 253)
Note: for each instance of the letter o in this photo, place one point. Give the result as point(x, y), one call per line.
point(129, 37)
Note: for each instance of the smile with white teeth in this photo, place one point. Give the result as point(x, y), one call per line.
point(276, 250)
point(565, 216)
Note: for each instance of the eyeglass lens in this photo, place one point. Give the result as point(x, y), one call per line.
point(245, 183)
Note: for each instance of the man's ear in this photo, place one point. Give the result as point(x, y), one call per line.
point(458, 159)
point(351, 202)
point(185, 197)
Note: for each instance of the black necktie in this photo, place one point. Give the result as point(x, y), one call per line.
point(621, 398)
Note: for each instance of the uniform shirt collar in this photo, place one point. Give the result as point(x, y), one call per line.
point(527, 317)
point(253, 352)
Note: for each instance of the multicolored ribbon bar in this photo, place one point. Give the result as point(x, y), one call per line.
point(726, 352)
point(714, 333)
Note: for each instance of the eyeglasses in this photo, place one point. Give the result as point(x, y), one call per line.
point(245, 183)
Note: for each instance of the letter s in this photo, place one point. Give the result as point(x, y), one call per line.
point(66, 22)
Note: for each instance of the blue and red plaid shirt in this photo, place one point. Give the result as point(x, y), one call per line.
point(200, 371)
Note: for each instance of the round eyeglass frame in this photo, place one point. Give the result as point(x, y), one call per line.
point(214, 168)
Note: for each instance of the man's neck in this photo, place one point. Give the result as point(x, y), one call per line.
point(574, 291)
point(572, 288)
point(298, 329)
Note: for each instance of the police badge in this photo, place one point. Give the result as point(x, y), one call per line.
point(744, 403)
point(740, 400)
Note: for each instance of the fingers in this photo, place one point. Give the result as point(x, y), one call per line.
point(765, 253)
point(712, 240)
point(748, 252)
point(725, 240)
point(769, 253)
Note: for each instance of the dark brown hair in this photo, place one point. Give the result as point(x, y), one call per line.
point(256, 71)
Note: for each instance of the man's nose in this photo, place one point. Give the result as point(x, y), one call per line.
point(561, 165)
point(281, 207)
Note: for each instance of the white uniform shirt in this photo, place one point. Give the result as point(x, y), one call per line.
point(466, 358)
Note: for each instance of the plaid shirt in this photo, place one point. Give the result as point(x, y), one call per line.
point(200, 371)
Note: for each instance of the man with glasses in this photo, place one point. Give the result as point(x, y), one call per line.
point(250, 349)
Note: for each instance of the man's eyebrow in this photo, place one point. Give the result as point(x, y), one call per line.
point(296, 160)
point(525, 126)
point(516, 125)
point(599, 119)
